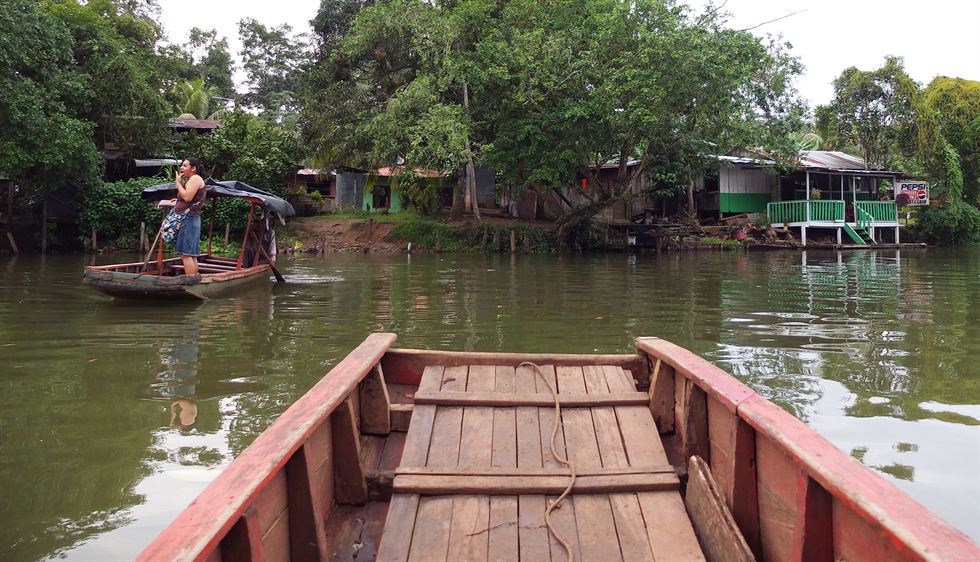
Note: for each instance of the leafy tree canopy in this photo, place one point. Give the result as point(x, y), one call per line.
point(956, 103)
point(544, 90)
point(44, 99)
point(249, 149)
point(113, 43)
point(874, 111)
point(272, 59)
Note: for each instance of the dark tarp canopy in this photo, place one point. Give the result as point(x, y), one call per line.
point(270, 203)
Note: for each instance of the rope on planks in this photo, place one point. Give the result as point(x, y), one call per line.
point(563, 460)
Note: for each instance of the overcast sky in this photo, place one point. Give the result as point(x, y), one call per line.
point(936, 37)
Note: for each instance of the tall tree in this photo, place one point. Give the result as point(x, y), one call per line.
point(874, 110)
point(561, 88)
point(956, 104)
point(272, 59)
point(44, 100)
point(114, 46)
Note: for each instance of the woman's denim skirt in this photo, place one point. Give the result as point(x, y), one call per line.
point(189, 236)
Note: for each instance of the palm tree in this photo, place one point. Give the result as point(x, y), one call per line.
point(195, 98)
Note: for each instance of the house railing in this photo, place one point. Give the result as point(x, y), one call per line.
point(785, 212)
point(864, 219)
point(878, 211)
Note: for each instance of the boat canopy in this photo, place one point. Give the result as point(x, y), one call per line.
point(270, 203)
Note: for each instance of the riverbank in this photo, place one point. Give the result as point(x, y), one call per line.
point(345, 233)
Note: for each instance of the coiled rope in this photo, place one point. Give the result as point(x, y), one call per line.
point(563, 460)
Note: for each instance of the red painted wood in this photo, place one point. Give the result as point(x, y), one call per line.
point(197, 531)
point(813, 532)
point(307, 513)
point(404, 366)
point(716, 382)
point(916, 532)
point(244, 541)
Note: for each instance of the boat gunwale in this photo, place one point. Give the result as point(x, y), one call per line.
point(199, 529)
point(911, 526)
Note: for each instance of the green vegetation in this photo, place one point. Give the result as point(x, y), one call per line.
point(544, 93)
point(115, 210)
point(433, 234)
point(953, 225)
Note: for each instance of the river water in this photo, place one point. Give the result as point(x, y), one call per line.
point(114, 415)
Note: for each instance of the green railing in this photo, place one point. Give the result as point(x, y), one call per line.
point(784, 212)
point(878, 211)
point(864, 220)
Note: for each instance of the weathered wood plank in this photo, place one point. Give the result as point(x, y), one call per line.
point(391, 455)
point(375, 403)
point(695, 422)
point(716, 530)
point(307, 512)
point(433, 484)
point(244, 540)
point(594, 516)
point(471, 514)
point(405, 366)
point(522, 472)
point(661, 397)
point(510, 399)
point(675, 540)
point(631, 531)
point(813, 533)
point(533, 534)
point(372, 447)
point(350, 487)
point(503, 539)
point(402, 513)
point(776, 478)
point(430, 541)
point(563, 516)
point(401, 416)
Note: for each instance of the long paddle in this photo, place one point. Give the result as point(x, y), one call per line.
point(279, 277)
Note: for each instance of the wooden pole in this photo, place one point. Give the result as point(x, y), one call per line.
point(44, 226)
point(438, 240)
point(13, 243)
point(248, 228)
point(513, 242)
point(142, 236)
point(227, 232)
point(95, 242)
point(214, 212)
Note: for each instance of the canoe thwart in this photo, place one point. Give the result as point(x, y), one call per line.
point(502, 399)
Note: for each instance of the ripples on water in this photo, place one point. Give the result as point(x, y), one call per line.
point(115, 415)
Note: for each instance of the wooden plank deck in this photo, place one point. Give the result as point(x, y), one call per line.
point(477, 472)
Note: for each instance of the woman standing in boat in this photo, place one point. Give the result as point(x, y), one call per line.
point(191, 195)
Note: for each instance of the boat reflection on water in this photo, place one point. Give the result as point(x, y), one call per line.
point(178, 380)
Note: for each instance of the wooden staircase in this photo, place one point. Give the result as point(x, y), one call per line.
point(859, 235)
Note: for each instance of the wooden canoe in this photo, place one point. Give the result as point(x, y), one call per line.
point(166, 279)
point(401, 454)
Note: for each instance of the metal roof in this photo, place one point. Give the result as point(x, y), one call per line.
point(195, 124)
point(840, 162)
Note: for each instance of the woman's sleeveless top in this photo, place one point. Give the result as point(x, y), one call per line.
point(196, 205)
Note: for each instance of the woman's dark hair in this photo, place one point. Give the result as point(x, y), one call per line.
point(198, 167)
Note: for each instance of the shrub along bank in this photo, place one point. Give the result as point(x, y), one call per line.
point(115, 210)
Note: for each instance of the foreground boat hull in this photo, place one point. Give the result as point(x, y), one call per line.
point(308, 489)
